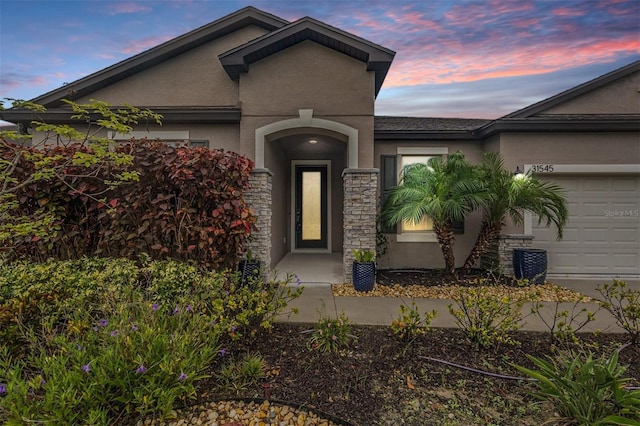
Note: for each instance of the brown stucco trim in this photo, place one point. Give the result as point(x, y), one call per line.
point(376, 57)
point(630, 123)
point(221, 27)
point(217, 115)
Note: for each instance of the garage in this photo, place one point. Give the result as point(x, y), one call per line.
point(602, 235)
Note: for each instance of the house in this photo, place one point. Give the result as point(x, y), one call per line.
point(298, 98)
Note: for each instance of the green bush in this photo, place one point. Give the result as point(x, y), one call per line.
point(487, 319)
point(410, 323)
point(585, 390)
point(624, 304)
point(104, 338)
point(331, 334)
point(138, 359)
point(563, 324)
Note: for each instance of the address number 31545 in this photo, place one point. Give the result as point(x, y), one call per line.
point(542, 168)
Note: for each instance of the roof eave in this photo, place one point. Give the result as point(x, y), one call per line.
point(217, 115)
point(543, 124)
point(419, 135)
point(160, 53)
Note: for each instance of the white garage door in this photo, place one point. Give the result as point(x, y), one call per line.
point(602, 235)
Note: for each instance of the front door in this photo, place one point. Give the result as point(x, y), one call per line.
point(310, 206)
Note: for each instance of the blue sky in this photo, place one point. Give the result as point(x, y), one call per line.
point(466, 58)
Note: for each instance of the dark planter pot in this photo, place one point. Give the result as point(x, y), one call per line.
point(250, 271)
point(530, 264)
point(364, 276)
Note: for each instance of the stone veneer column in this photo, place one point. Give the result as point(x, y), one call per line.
point(258, 197)
point(499, 256)
point(359, 214)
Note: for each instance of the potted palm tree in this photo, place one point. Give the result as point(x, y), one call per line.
point(364, 270)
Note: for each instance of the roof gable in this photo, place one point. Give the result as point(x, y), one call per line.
point(575, 92)
point(376, 57)
point(174, 47)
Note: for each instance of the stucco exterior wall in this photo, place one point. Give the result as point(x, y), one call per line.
point(222, 136)
point(570, 148)
point(194, 78)
point(618, 97)
point(304, 77)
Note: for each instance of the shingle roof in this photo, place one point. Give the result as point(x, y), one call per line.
point(424, 124)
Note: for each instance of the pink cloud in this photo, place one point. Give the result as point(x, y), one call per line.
point(525, 23)
point(565, 11)
point(461, 65)
point(118, 8)
point(415, 19)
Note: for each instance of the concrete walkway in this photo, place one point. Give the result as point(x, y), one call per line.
point(318, 301)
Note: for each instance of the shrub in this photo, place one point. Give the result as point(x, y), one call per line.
point(331, 334)
point(624, 304)
point(563, 324)
point(139, 359)
point(410, 323)
point(117, 338)
point(486, 318)
point(586, 390)
point(186, 204)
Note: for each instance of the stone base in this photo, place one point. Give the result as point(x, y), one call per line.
point(359, 214)
point(499, 256)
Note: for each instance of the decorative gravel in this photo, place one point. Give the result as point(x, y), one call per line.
point(242, 413)
point(541, 292)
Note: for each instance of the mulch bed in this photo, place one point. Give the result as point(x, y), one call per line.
point(379, 380)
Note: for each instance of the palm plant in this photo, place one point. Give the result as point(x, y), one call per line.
point(510, 196)
point(445, 190)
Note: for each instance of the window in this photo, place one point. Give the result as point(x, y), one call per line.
point(391, 167)
point(425, 225)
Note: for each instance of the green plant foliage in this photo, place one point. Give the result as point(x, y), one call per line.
point(624, 304)
point(585, 390)
point(138, 359)
point(563, 324)
point(486, 318)
point(508, 196)
point(410, 323)
point(95, 339)
point(331, 334)
point(185, 204)
point(445, 190)
point(241, 374)
point(364, 256)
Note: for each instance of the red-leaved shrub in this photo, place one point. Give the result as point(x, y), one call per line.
point(187, 204)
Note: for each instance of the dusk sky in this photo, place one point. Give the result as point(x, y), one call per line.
point(462, 58)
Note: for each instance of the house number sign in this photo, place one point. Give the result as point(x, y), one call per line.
point(543, 168)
